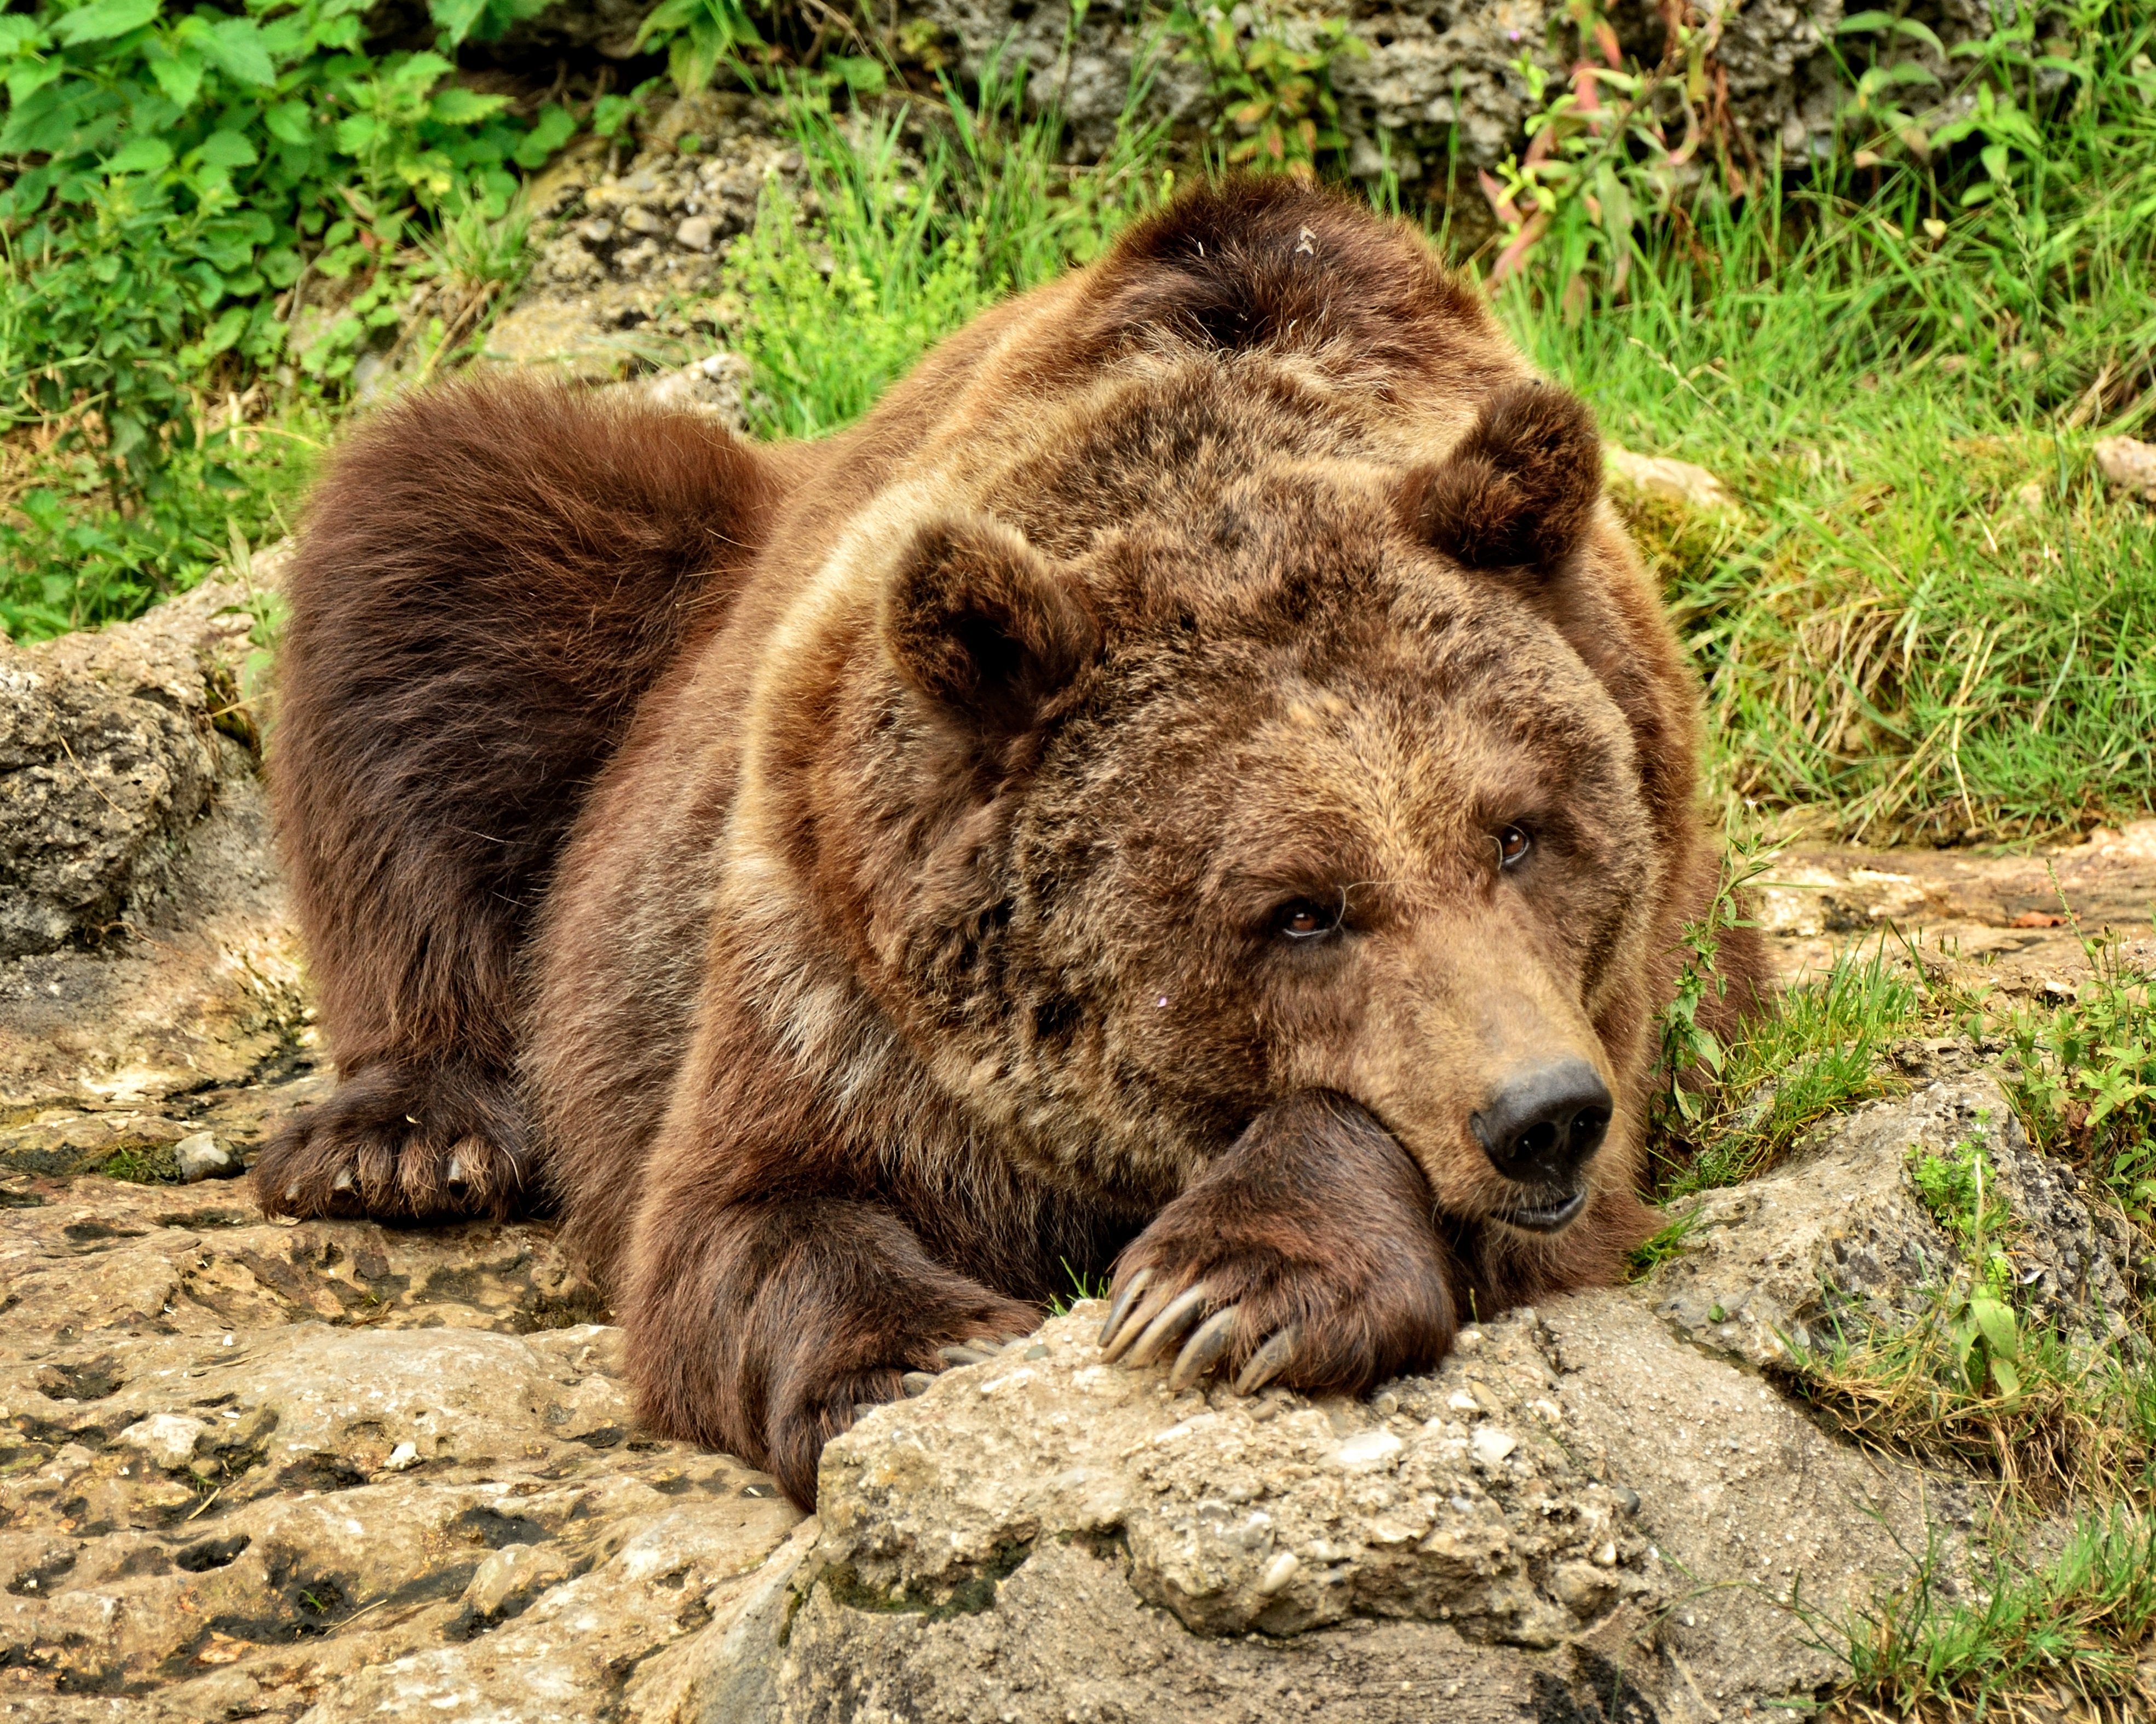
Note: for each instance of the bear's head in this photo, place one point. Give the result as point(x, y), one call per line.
point(1197, 783)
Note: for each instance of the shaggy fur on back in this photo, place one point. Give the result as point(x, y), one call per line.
point(1170, 790)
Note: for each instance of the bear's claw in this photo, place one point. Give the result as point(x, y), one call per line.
point(1202, 1351)
point(1124, 1300)
point(1268, 1361)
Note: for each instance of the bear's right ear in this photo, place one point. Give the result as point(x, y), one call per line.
point(1520, 489)
point(984, 626)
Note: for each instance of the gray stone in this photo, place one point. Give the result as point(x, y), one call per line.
point(265, 1471)
point(1839, 1230)
point(109, 752)
point(202, 1156)
point(1433, 83)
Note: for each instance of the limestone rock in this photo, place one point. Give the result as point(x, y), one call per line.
point(109, 751)
point(1664, 476)
point(1507, 1532)
point(2129, 465)
point(151, 954)
point(630, 281)
point(1840, 1229)
point(201, 1157)
point(1430, 80)
point(262, 1470)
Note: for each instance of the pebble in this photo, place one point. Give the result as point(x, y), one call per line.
point(694, 234)
point(202, 1156)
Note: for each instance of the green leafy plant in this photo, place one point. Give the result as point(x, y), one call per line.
point(1819, 1047)
point(697, 35)
point(184, 187)
point(1984, 1334)
point(1598, 160)
point(1272, 82)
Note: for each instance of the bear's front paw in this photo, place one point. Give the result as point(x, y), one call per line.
point(1305, 1256)
point(820, 1397)
point(401, 1143)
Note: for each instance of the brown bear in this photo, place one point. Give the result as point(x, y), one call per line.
point(1197, 783)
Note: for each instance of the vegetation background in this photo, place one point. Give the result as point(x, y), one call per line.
point(1922, 617)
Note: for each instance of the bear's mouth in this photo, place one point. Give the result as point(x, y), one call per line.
point(1548, 1218)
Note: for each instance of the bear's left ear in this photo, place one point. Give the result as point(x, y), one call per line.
point(1520, 489)
point(984, 626)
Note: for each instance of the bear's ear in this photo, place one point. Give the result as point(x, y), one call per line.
point(1520, 489)
point(984, 626)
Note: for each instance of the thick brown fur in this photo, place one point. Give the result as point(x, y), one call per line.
point(493, 575)
point(1136, 799)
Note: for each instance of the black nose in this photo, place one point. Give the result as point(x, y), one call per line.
point(1544, 1122)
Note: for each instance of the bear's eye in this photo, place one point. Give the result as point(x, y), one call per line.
point(1305, 919)
point(1513, 845)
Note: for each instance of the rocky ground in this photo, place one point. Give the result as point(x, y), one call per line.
point(335, 1471)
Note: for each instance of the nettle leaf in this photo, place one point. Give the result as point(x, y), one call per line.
point(555, 127)
point(179, 76)
point(227, 149)
point(456, 17)
point(465, 107)
point(29, 80)
point(236, 45)
point(290, 123)
point(20, 33)
point(142, 155)
point(358, 133)
point(101, 20)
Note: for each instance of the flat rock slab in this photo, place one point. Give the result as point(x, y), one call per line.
point(2022, 917)
point(262, 1470)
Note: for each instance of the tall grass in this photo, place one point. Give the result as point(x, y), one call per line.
point(906, 250)
point(1930, 621)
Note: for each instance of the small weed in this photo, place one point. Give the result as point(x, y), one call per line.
point(1667, 1242)
point(1272, 81)
point(907, 254)
point(1969, 1378)
point(2084, 1078)
point(143, 1165)
point(1083, 1287)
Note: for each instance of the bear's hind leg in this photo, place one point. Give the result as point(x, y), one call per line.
point(403, 1142)
point(1306, 1256)
point(763, 1328)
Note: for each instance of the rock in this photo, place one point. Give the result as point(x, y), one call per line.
point(1426, 83)
point(178, 973)
point(1062, 1537)
point(109, 752)
point(1839, 1230)
point(716, 386)
point(2129, 465)
point(201, 1157)
point(1663, 476)
point(255, 1470)
point(632, 278)
point(168, 1438)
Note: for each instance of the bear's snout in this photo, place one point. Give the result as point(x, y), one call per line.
point(1539, 1127)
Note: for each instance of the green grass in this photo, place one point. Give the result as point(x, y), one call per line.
point(1820, 1050)
point(2072, 1623)
point(906, 252)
